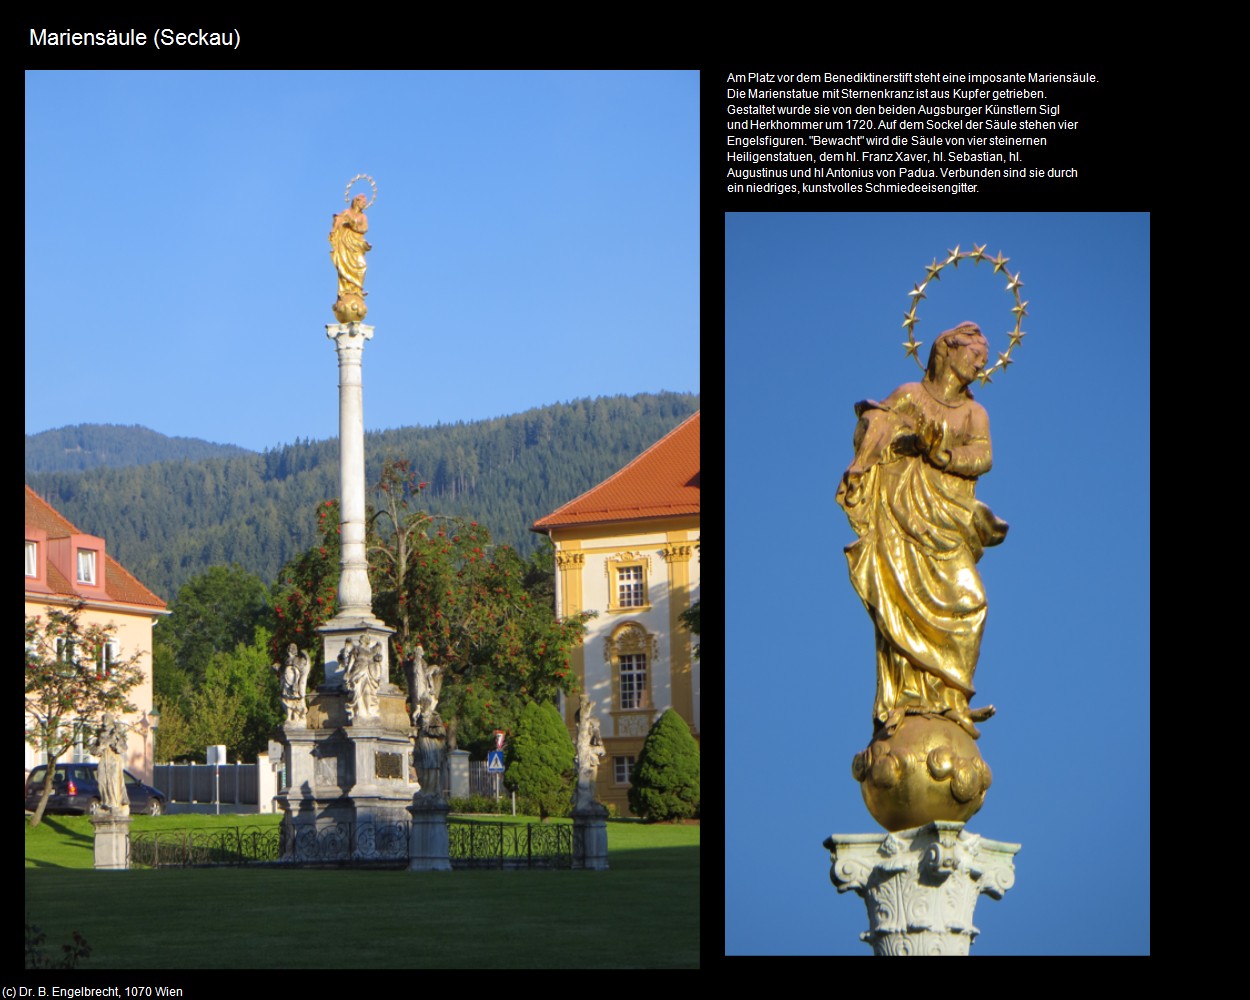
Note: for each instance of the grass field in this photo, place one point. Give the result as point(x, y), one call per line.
point(642, 913)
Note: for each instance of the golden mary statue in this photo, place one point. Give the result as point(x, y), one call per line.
point(910, 495)
point(348, 247)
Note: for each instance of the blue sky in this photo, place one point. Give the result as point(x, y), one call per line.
point(535, 240)
point(814, 307)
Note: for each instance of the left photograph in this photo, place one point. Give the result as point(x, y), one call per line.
point(362, 517)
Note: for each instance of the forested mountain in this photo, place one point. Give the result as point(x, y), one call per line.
point(89, 446)
point(166, 521)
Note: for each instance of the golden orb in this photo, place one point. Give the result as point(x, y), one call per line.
point(350, 308)
point(928, 769)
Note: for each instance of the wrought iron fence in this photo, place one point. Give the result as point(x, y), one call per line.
point(190, 848)
point(508, 845)
point(472, 845)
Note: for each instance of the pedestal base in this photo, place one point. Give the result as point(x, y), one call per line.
point(112, 840)
point(921, 885)
point(590, 837)
point(429, 849)
point(349, 786)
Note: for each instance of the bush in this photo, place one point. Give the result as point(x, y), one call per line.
point(664, 783)
point(37, 956)
point(539, 762)
point(479, 804)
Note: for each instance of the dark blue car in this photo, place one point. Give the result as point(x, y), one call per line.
point(75, 789)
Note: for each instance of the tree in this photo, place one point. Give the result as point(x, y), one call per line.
point(664, 782)
point(539, 761)
point(174, 739)
point(306, 594)
point(70, 683)
point(438, 580)
point(237, 705)
point(478, 610)
point(213, 612)
point(216, 614)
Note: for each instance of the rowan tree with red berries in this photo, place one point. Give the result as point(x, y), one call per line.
point(71, 681)
point(478, 610)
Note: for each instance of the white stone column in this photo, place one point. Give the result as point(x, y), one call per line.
point(355, 597)
point(921, 885)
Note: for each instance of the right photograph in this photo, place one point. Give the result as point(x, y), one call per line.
point(937, 579)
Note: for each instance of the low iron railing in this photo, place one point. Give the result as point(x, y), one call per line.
point(193, 848)
point(508, 845)
point(471, 845)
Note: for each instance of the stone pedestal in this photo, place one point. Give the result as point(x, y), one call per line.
point(430, 756)
point(429, 846)
point(590, 837)
point(921, 885)
point(112, 839)
point(349, 786)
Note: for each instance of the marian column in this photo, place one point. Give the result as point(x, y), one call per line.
point(353, 637)
point(350, 777)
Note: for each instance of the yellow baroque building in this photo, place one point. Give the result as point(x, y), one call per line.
point(65, 565)
point(628, 549)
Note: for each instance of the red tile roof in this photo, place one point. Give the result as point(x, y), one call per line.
point(120, 585)
point(661, 482)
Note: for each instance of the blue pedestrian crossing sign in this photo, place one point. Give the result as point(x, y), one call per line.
point(494, 762)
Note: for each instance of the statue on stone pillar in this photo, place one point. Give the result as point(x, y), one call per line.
point(348, 247)
point(425, 682)
point(110, 745)
point(910, 496)
point(589, 750)
point(294, 676)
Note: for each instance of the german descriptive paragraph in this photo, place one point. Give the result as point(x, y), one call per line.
point(898, 133)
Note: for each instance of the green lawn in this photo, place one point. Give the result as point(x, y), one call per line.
point(253, 918)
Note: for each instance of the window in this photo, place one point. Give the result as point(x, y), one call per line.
point(109, 654)
point(627, 581)
point(633, 680)
point(621, 768)
point(32, 559)
point(629, 587)
point(65, 651)
point(631, 652)
point(86, 566)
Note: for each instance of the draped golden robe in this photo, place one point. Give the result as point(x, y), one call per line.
point(348, 246)
point(921, 532)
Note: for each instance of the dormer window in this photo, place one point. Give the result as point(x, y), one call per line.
point(32, 558)
point(86, 566)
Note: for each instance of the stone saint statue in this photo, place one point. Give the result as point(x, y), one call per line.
point(910, 495)
point(362, 677)
point(425, 682)
point(110, 745)
point(348, 247)
point(589, 750)
point(295, 685)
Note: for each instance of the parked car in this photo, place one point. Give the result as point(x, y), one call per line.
point(76, 789)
